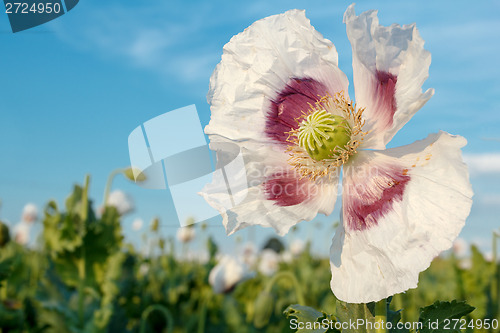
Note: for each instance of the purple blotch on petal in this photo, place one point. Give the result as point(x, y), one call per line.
point(384, 98)
point(290, 103)
point(286, 189)
point(369, 198)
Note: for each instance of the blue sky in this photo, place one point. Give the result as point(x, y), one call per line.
point(72, 90)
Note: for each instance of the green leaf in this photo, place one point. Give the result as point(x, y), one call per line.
point(10, 319)
point(232, 316)
point(309, 320)
point(476, 284)
point(394, 317)
point(442, 316)
point(69, 316)
point(212, 249)
point(75, 236)
point(6, 267)
point(350, 313)
point(62, 232)
point(4, 234)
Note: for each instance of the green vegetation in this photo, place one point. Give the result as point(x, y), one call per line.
point(86, 279)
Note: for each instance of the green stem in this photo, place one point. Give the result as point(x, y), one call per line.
point(397, 300)
point(203, 315)
point(157, 307)
point(381, 315)
point(3, 290)
point(459, 277)
point(81, 288)
point(81, 262)
point(185, 250)
point(85, 200)
point(291, 277)
point(494, 247)
point(496, 236)
point(109, 182)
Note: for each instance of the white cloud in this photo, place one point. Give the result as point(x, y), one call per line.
point(490, 199)
point(485, 163)
point(148, 37)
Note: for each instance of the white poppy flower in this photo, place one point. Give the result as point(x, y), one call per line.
point(460, 247)
point(30, 213)
point(121, 201)
point(279, 95)
point(287, 256)
point(22, 232)
point(227, 273)
point(144, 269)
point(269, 262)
point(249, 254)
point(195, 256)
point(185, 234)
point(137, 224)
point(465, 263)
point(297, 246)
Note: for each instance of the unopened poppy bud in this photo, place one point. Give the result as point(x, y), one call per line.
point(134, 174)
point(264, 305)
point(155, 224)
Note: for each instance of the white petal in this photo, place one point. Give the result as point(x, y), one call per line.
point(259, 67)
point(30, 213)
point(386, 256)
point(390, 66)
point(257, 64)
point(251, 204)
point(269, 262)
point(227, 273)
point(185, 234)
point(123, 203)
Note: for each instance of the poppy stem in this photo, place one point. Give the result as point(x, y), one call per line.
point(81, 289)
point(381, 316)
point(163, 310)
point(81, 262)
point(290, 276)
point(109, 182)
point(203, 315)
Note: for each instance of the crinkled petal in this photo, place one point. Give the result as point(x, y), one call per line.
point(390, 66)
point(268, 75)
point(259, 65)
point(269, 194)
point(401, 208)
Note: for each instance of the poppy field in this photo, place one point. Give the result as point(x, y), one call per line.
point(86, 278)
point(290, 127)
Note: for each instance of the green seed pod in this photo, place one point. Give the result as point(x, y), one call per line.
point(264, 305)
point(134, 174)
point(322, 133)
point(155, 224)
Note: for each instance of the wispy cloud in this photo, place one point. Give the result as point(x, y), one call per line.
point(492, 199)
point(485, 163)
point(147, 37)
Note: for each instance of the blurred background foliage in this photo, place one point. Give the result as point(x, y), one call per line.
point(84, 278)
